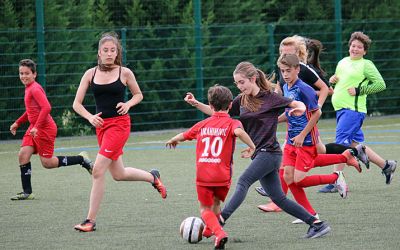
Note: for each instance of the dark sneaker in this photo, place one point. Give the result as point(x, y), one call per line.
point(317, 230)
point(261, 191)
point(341, 184)
point(220, 240)
point(157, 184)
point(86, 226)
point(389, 169)
point(362, 155)
point(23, 196)
point(352, 161)
point(330, 188)
point(87, 163)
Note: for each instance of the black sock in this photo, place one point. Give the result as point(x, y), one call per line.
point(26, 172)
point(334, 148)
point(386, 165)
point(69, 160)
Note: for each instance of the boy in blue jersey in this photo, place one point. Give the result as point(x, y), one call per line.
point(300, 152)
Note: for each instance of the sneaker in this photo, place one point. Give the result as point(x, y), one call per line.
point(317, 230)
point(341, 184)
point(207, 232)
point(352, 161)
point(261, 191)
point(389, 169)
point(157, 184)
point(270, 207)
point(330, 188)
point(362, 155)
point(87, 163)
point(298, 221)
point(86, 226)
point(23, 196)
point(220, 240)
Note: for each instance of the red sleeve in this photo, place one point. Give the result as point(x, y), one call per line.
point(236, 124)
point(22, 119)
point(45, 107)
point(191, 133)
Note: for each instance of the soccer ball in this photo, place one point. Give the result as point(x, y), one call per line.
point(191, 229)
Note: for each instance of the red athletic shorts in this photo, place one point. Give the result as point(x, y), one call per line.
point(43, 142)
point(113, 135)
point(206, 194)
point(300, 158)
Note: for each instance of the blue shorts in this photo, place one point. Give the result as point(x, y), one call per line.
point(348, 126)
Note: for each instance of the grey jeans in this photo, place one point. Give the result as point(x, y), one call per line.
point(264, 167)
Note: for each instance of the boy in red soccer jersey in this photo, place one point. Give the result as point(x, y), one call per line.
point(216, 138)
point(41, 133)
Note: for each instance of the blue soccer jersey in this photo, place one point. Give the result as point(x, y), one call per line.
point(302, 92)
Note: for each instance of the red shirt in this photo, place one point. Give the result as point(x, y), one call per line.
point(214, 150)
point(37, 107)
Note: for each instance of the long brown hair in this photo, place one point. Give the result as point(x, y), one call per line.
point(113, 37)
point(248, 70)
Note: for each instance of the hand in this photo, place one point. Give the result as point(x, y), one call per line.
point(96, 120)
point(123, 108)
point(334, 79)
point(247, 153)
point(13, 128)
point(171, 144)
point(352, 91)
point(296, 111)
point(189, 98)
point(33, 132)
point(298, 140)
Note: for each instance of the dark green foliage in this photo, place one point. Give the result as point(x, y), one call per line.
point(160, 49)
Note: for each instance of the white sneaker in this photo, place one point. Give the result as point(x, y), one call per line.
point(341, 184)
point(298, 221)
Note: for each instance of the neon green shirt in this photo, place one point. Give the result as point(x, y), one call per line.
point(360, 74)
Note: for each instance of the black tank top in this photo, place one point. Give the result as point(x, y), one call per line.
point(107, 96)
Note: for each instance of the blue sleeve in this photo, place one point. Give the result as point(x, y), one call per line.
point(309, 98)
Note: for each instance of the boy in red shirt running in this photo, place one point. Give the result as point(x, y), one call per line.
point(41, 134)
point(216, 138)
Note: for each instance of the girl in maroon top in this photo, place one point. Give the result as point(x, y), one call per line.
point(41, 134)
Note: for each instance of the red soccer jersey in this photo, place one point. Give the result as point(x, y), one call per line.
point(214, 150)
point(37, 107)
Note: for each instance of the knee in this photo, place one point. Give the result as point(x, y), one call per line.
point(97, 172)
point(118, 177)
point(47, 164)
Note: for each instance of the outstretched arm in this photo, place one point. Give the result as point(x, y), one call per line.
point(245, 138)
point(174, 141)
point(189, 98)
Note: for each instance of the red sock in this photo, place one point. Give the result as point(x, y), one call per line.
point(329, 159)
point(315, 180)
point(301, 198)
point(211, 221)
point(283, 183)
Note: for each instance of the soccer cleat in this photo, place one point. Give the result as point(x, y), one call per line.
point(157, 184)
point(261, 191)
point(87, 163)
point(207, 232)
point(341, 184)
point(330, 188)
point(317, 230)
point(352, 161)
point(270, 207)
point(86, 226)
point(362, 155)
point(220, 240)
point(298, 221)
point(23, 196)
point(389, 169)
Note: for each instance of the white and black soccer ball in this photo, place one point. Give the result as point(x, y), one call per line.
point(191, 229)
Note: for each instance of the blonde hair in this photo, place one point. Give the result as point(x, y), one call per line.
point(299, 43)
point(113, 37)
point(248, 70)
